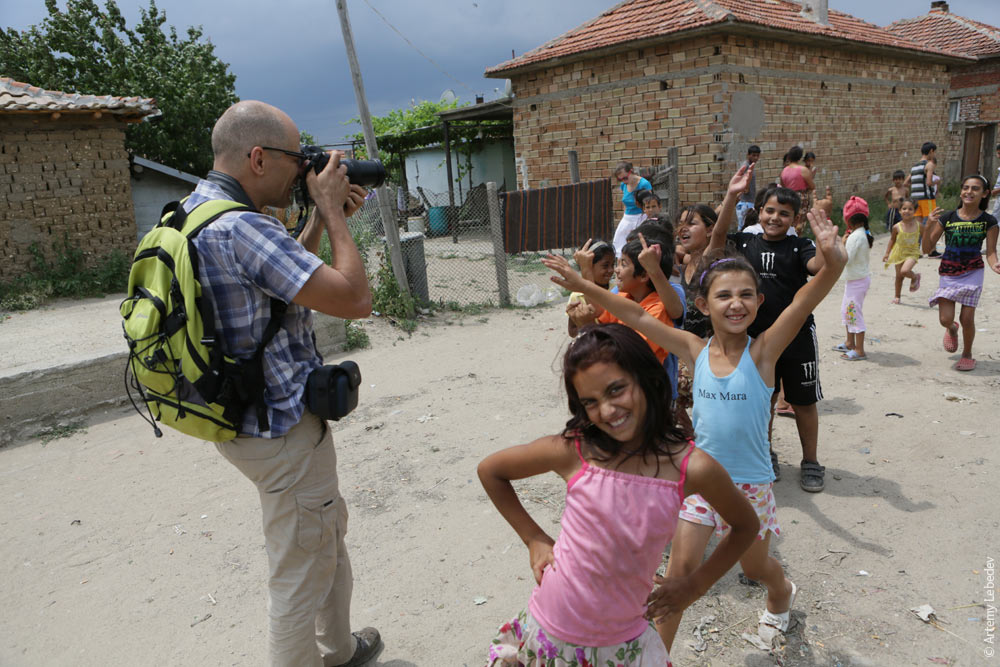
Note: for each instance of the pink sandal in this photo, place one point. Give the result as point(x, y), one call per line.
point(950, 341)
point(965, 364)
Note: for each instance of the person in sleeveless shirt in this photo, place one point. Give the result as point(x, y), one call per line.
point(627, 470)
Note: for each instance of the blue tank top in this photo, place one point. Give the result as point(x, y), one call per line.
point(730, 418)
point(628, 198)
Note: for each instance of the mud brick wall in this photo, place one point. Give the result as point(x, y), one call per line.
point(66, 178)
point(863, 114)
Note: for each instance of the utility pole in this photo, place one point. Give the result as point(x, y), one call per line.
point(384, 204)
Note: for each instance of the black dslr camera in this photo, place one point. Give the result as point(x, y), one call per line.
point(366, 173)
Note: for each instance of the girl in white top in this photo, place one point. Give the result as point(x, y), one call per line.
point(858, 275)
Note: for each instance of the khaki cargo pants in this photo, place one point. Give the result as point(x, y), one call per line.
point(305, 519)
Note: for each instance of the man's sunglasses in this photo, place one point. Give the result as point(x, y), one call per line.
point(301, 157)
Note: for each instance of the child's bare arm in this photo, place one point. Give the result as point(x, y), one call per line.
point(682, 343)
point(830, 247)
point(737, 185)
point(551, 453)
point(932, 231)
point(892, 241)
point(991, 248)
point(707, 477)
point(807, 176)
point(649, 259)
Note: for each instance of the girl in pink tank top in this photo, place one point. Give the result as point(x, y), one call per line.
point(627, 469)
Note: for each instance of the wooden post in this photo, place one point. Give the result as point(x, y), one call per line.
point(574, 167)
point(384, 205)
point(673, 203)
point(451, 185)
point(496, 231)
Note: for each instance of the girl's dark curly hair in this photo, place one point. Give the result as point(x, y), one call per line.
point(618, 344)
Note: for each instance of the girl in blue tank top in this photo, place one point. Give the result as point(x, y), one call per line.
point(733, 381)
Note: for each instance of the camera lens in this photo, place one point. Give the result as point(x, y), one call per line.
point(366, 173)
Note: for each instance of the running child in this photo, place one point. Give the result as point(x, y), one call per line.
point(962, 269)
point(627, 470)
point(734, 380)
point(600, 268)
point(904, 247)
point(784, 264)
point(894, 197)
point(859, 278)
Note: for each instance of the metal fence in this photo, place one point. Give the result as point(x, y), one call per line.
point(454, 254)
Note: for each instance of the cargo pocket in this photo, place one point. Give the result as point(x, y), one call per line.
point(315, 524)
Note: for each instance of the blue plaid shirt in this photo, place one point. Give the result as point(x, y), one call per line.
point(245, 258)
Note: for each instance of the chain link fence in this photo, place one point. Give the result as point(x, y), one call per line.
point(454, 256)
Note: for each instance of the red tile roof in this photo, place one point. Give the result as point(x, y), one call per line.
point(632, 20)
point(17, 96)
point(951, 32)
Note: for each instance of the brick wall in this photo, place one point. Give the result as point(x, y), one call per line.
point(63, 177)
point(864, 115)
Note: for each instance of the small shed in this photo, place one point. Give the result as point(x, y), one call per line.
point(153, 185)
point(712, 77)
point(974, 95)
point(64, 173)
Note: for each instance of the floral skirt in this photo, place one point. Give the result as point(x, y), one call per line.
point(523, 643)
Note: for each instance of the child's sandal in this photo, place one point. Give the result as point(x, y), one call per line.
point(770, 624)
point(915, 283)
point(950, 341)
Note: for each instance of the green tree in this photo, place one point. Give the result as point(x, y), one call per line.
point(89, 50)
point(404, 130)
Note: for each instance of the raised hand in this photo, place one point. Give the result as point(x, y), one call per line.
point(649, 257)
point(741, 180)
point(828, 242)
point(934, 217)
point(585, 260)
point(567, 277)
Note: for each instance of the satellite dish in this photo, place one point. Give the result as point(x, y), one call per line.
point(448, 96)
point(508, 90)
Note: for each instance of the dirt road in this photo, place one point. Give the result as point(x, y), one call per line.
point(120, 549)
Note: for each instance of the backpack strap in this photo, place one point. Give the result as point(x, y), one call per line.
point(252, 387)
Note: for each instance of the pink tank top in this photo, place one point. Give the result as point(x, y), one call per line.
point(791, 177)
point(614, 530)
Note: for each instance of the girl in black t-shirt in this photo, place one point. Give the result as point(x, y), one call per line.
point(962, 267)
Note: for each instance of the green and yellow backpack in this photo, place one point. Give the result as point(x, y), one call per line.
point(176, 361)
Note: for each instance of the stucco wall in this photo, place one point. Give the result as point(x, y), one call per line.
point(64, 178)
point(495, 162)
point(150, 191)
point(864, 115)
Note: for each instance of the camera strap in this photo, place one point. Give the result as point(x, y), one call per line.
point(231, 187)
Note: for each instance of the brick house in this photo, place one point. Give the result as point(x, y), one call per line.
point(64, 173)
point(974, 95)
point(714, 76)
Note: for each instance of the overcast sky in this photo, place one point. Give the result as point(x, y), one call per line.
point(291, 54)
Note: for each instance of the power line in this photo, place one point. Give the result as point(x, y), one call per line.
point(412, 46)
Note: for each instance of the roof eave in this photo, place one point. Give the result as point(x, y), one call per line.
point(731, 26)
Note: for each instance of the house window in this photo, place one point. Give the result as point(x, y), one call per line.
point(953, 109)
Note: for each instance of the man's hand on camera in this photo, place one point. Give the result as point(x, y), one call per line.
point(355, 200)
point(330, 188)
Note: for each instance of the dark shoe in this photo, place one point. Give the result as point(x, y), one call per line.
point(934, 254)
point(369, 646)
point(812, 476)
point(774, 466)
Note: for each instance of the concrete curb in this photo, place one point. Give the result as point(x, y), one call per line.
point(35, 400)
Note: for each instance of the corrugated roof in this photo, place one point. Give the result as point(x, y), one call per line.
point(633, 20)
point(952, 32)
point(23, 97)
